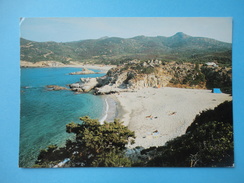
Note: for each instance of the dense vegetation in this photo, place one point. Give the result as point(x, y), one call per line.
point(208, 142)
point(203, 76)
point(188, 77)
point(220, 77)
point(95, 145)
point(113, 50)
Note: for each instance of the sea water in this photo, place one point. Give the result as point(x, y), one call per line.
point(44, 113)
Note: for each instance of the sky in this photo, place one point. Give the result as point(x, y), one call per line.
point(75, 29)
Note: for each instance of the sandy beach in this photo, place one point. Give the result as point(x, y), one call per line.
point(158, 115)
point(102, 68)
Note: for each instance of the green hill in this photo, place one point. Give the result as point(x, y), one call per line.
point(115, 50)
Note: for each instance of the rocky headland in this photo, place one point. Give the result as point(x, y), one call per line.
point(136, 75)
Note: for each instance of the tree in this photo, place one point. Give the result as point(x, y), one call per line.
point(95, 144)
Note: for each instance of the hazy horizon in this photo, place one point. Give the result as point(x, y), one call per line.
point(77, 29)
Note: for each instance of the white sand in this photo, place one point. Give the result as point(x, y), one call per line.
point(102, 68)
point(170, 111)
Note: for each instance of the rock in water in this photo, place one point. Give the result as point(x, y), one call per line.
point(56, 87)
point(83, 72)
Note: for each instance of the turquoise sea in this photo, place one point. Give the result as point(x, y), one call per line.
point(44, 113)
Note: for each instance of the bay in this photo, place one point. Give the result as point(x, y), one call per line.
point(44, 113)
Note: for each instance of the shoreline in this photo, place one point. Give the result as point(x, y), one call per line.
point(55, 64)
point(122, 114)
point(167, 111)
point(113, 110)
point(107, 108)
point(159, 115)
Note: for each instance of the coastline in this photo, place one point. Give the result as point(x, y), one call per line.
point(157, 115)
point(111, 109)
point(160, 115)
point(45, 114)
point(55, 64)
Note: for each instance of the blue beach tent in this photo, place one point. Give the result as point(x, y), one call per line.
point(216, 90)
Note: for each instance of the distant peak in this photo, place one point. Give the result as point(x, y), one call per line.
point(140, 37)
point(181, 35)
point(105, 37)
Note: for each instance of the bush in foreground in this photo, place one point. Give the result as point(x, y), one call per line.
point(95, 145)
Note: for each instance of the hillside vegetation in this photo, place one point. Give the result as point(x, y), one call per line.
point(115, 50)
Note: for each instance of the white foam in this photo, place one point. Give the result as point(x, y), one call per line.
point(106, 112)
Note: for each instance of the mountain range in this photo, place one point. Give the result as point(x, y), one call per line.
point(115, 50)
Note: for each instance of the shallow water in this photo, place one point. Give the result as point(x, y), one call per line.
point(44, 113)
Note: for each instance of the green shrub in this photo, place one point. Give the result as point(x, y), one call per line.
point(95, 144)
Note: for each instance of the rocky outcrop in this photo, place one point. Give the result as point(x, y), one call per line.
point(121, 79)
point(110, 89)
point(135, 76)
point(56, 87)
point(84, 85)
point(83, 72)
